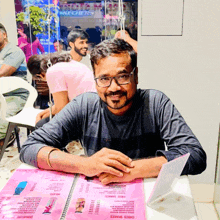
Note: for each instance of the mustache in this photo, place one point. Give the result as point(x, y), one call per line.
point(116, 93)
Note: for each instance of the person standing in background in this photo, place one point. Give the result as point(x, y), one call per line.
point(59, 45)
point(33, 43)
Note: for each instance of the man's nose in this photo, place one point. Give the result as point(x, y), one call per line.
point(114, 85)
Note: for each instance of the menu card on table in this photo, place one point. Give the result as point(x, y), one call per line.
point(40, 194)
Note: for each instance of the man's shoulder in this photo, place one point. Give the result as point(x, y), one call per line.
point(151, 94)
point(87, 62)
point(88, 99)
point(12, 50)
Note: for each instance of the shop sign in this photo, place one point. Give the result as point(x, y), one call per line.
point(76, 13)
point(89, 6)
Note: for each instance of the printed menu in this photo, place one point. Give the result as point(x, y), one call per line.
point(92, 200)
point(41, 194)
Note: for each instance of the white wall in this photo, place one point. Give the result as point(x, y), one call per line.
point(187, 69)
point(7, 18)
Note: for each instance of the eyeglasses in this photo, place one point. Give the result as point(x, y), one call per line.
point(121, 79)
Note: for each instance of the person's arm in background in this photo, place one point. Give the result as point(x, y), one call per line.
point(124, 35)
point(40, 46)
point(12, 62)
point(60, 100)
point(7, 70)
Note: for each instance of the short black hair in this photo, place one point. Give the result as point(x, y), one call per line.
point(77, 33)
point(37, 63)
point(33, 64)
point(2, 28)
point(109, 47)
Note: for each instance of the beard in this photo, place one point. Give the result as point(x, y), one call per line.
point(77, 50)
point(120, 106)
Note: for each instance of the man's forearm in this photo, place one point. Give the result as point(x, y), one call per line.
point(6, 70)
point(103, 161)
point(143, 168)
point(148, 168)
point(60, 161)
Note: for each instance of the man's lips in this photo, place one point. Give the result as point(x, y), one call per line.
point(115, 96)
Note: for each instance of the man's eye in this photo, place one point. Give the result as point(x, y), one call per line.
point(104, 79)
point(123, 77)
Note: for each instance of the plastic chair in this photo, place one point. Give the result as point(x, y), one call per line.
point(26, 117)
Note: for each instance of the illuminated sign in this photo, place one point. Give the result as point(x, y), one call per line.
point(75, 13)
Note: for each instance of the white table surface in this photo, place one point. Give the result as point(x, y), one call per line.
point(180, 211)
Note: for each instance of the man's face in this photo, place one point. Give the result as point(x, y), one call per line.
point(58, 46)
point(3, 38)
point(117, 97)
point(80, 46)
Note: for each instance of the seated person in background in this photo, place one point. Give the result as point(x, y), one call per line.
point(124, 34)
point(12, 63)
point(78, 41)
point(123, 129)
point(66, 79)
point(39, 81)
point(58, 45)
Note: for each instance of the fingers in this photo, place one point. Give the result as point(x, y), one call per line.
point(118, 164)
point(113, 171)
point(106, 178)
point(108, 161)
point(118, 156)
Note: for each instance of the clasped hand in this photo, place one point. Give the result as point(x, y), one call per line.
point(107, 162)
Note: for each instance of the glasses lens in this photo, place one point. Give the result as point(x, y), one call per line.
point(103, 81)
point(123, 79)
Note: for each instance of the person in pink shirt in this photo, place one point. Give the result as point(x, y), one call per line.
point(32, 43)
point(22, 38)
point(66, 79)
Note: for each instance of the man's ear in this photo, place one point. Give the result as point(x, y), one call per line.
point(136, 75)
point(71, 44)
point(5, 35)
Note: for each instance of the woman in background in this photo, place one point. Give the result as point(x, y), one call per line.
point(33, 43)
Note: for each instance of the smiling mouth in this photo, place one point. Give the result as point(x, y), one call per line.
point(115, 97)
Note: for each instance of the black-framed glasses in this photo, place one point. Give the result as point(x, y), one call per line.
point(121, 79)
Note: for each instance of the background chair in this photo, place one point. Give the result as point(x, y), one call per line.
point(26, 117)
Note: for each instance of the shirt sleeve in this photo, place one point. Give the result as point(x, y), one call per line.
point(178, 137)
point(40, 46)
point(62, 129)
point(14, 58)
point(56, 79)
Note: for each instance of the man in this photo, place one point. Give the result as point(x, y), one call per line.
point(123, 129)
point(12, 63)
point(78, 41)
point(58, 45)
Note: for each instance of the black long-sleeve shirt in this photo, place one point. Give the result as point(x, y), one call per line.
point(143, 131)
